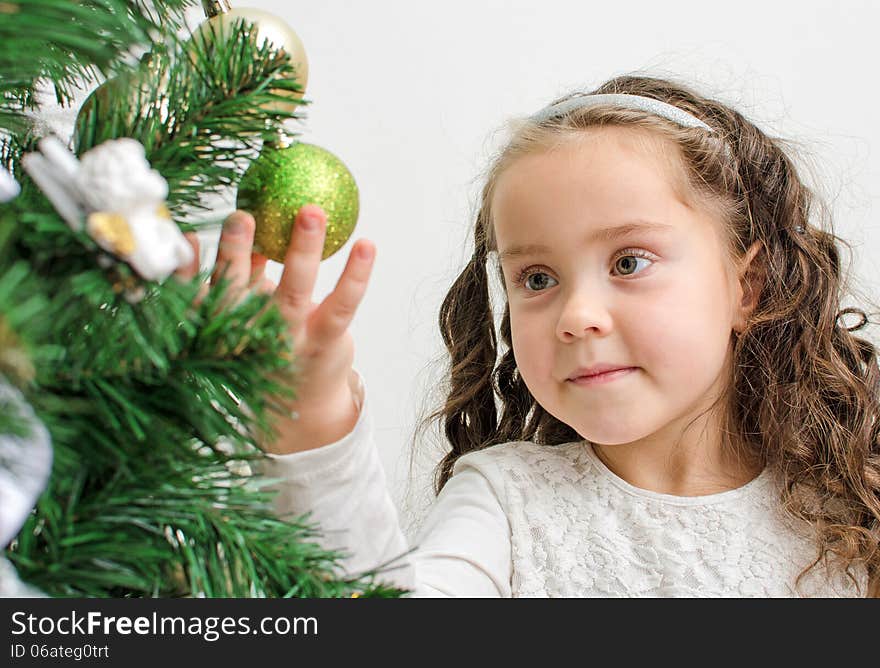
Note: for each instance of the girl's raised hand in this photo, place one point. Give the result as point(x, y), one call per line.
point(327, 404)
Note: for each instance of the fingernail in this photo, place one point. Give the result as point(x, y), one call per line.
point(234, 226)
point(310, 222)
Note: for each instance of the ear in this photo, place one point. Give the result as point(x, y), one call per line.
point(750, 276)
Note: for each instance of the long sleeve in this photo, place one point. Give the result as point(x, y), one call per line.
point(463, 548)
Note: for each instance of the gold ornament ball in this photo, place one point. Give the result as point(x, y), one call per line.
point(94, 110)
point(281, 180)
point(280, 35)
point(135, 86)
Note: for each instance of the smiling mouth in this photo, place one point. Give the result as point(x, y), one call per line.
point(602, 378)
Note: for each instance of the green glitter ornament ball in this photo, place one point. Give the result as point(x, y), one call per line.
point(281, 180)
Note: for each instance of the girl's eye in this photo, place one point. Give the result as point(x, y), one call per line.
point(527, 274)
point(627, 263)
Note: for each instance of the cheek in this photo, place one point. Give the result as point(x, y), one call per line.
point(685, 333)
point(532, 347)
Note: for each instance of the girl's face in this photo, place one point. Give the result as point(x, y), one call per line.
point(618, 271)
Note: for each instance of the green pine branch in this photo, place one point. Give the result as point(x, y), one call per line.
point(184, 523)
point(223, 94)
point(198, 529)
point(156, 403)
point(69, 44)
point(153, 406)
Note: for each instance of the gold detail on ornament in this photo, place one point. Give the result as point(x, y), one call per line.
point(112, 231)
point(215, 7)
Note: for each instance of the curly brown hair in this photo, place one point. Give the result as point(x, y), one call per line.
point(804, 391)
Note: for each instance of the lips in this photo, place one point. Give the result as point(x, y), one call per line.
point(596, 369)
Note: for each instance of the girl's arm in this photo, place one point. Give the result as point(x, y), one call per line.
point(463, 548)
point(325, 462)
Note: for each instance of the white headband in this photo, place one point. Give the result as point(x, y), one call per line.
point(625, 100)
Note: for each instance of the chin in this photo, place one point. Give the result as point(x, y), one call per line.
point(607, 430)
point(621, 437)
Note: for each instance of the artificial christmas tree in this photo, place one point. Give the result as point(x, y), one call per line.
point(154, 393)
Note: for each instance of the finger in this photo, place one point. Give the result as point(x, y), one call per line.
point(294, 293)
point(204, 288)
point(234, 251)
point(188, 272)
point(334, 315)
point(264, 287)
point(258, 269)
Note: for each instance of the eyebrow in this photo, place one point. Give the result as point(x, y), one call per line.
point(605, 234)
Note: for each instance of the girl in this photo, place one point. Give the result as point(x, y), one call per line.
point(678, 408)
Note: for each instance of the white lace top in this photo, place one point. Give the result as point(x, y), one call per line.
point(520, 519)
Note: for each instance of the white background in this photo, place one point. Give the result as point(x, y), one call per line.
point(413, 98)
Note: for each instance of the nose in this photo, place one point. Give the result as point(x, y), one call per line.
point(584, 310)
